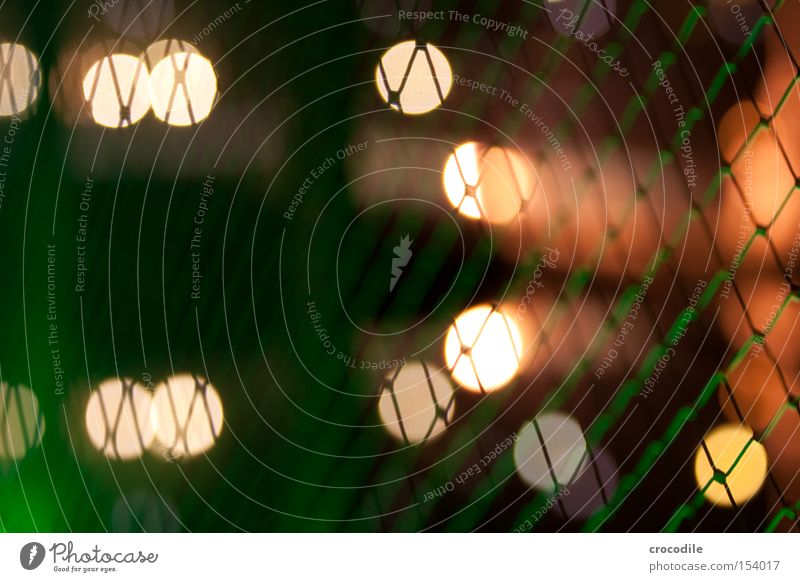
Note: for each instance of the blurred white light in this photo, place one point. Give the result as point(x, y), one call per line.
point(483, 349)
point(118, 419)
point(187, 415)
point(488, 182)
point(413, 79)
point(116, 90)
point(20, 79)
point(550, 451)
point(416, 400)
point(183, 88)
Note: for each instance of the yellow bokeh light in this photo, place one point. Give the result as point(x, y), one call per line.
point(416, 400)
point(725, 444)
point(183, 88)
point(483, 349)
point(21, 422)
point(20, 79)
point(413, 79)
point(187, 416)
point(116, 90)
point(487, 182)
point(118, 419)
point(550, 451)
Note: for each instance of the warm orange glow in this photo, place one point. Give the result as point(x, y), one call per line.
point(460, 174)
point(118, 97)
point(483, 349)
point(488, 182)
point(734, 21)
point(756, 389)
point(552, 456)
point(183, 88)
point(21, 422)
point(20, 79)
point(725, 443)
point(187, 416)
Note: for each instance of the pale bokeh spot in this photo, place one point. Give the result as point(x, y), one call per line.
point(491, 182)
point(725, 445)
point(183, 88)
point(116, 90)
point(411, 83)
point(415, 401)
point(118, 419)
point(187, 416)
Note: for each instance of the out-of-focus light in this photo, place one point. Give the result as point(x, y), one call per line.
point(187, 416)
point(21, 422)
point(483, 349)
point(550, 451)
point(116, 90)
point(756, 392)
point(461, 174)
point(778, 70)
point(734, 128)
point(487, 182)
point(416, 402)
point(783, 452)
point(118, 419)
point(725, 444)
point(397, 156)
point(764, 176)
point(583, 19)
point(413, 78)
point(183, 88)
point(20, 79)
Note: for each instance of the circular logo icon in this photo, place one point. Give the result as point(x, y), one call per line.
point(31, 555)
